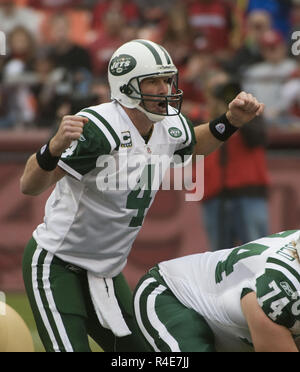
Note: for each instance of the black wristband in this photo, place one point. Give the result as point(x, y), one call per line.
point(45, 160)
point(221, 128)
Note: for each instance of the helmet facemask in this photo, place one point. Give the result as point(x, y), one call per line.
point(171, 103)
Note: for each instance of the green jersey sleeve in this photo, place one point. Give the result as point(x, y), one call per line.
point(277, 295)
point(81, 157)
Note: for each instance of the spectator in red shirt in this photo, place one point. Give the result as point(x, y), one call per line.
point(212, 19)
point(127, 8)
point(109, 38)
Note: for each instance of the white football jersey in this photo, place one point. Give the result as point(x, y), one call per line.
point(96, 211)
point(213, 284)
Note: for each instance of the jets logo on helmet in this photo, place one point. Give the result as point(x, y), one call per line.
point(122, 65)
point(138, 60)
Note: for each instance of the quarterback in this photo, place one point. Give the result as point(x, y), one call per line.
point(73, 264)
point(242, 299)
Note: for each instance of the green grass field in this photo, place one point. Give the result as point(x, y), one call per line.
point(19, 302)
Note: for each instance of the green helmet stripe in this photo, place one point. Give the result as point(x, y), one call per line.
point(166, 55)
point(152, 50)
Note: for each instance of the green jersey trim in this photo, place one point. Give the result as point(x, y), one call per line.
point(70, 170)
point(289, 272)
point(282, 234)
point(101, 122)
point(187, 123)
point(190, 137)
point(185, 152)
point(246, 291)
point(185, 130)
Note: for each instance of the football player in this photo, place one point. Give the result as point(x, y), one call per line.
point(73, 264)
point(241, 299)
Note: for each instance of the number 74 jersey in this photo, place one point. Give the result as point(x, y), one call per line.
point(213, 284)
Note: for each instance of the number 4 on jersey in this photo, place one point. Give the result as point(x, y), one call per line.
point(240, 253)
point(141, 203)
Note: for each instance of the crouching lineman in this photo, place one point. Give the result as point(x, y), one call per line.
point(240, 299)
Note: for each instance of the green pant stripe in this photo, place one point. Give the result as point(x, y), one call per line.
point(53, 314)
point(139, 309)
point(186, 326)
point(41, 264)
point(36, 298)
point(29, 285)
point(165, 322)
point(166, 341)
point(42, 294)
point(63, 310)
point(143, 314)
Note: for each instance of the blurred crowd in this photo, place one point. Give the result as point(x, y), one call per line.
point(58, 52)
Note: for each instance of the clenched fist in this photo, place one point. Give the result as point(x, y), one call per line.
point(243, 109)
point(70, 129)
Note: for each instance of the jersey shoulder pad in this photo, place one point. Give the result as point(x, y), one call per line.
point(104, 117)
point(97, 139)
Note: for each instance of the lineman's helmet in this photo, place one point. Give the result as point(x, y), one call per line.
point(135, 61)
point(297, 246)
point(14, 334)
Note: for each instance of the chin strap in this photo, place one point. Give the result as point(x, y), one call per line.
point(151, 116)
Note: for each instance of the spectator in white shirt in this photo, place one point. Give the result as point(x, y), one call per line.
point(12, 16)
point(266, 79)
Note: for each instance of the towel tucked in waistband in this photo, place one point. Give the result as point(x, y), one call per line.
point(106, 305)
